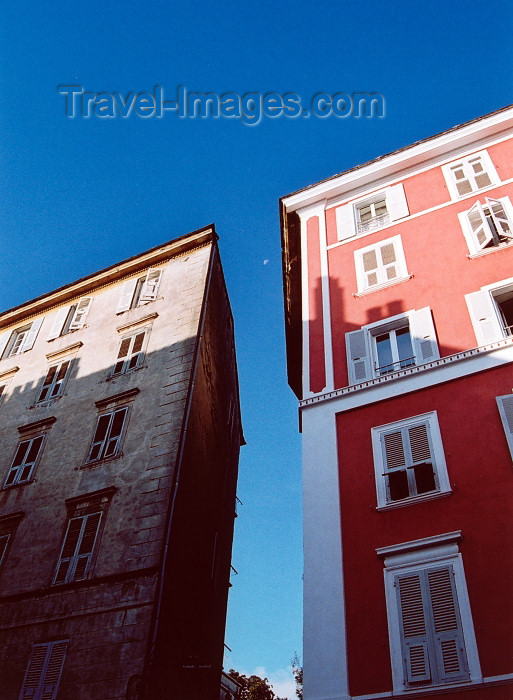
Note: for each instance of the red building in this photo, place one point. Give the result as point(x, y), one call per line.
point(398, 278)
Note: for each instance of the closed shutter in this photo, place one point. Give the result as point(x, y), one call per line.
point(358, 356)
point(346, 226)
point(500, 218)
point(127, 294)
point(30, 338)
point(414, 633)
point(483, 315)
point(397, 205)
point(80, 315)
point(480, 231)
point(431, 631)
point(4, 339)
point(59, 320)
point(44, 671)
point(150, 287)
point(505, 405)
point(448, 634)
point(423, 335)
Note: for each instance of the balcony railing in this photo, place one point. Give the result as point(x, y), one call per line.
point(395, 366)
point(374, 223)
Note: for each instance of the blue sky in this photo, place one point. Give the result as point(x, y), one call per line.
point(77, 195)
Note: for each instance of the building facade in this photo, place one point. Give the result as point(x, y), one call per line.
point(120, 432)
point(398, 279)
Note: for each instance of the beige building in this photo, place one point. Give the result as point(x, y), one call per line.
point(120, 434)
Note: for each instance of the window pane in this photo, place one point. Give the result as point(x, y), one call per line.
point(20, 453)
point(384, 350)
point(34, 449)
point(398, 485)
point(404, 347)
point(424, 477)
point(138, 343)
point(370, 261)
point(388, 253)
point(124, 347)
point(117, 423)
point(101, 429)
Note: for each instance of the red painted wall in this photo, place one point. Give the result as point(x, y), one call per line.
point(481, 506)
point(316, 320)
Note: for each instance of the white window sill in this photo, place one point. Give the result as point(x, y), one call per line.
point(413, 500)
point(383, 285)
point(492, 249)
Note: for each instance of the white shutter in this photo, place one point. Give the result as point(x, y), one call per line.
point(397, 205)
point(483, 315)
point(448, 635)
point(4, 338)
point(414, 633)
point(127, 294)
point(80, 315)
point(423, 336)
point(505, 406)
point(346, 225)
point(358, 356)
point(150, 287)
point(58, 323)
point(30, 338)
point(500, 218)
point(480, 232)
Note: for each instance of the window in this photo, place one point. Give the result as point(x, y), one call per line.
point(432, 640)
point(380, 264)
point(77, 548)
point(487, 226)
point(372, 212)
point(391, 345)
point(8, 526)
point(491, 312)
point(53, 383)
point(70, 318)
point(44, 671)
point(137, 292)
point(20, 340)
point(107, 436)
point(470, 174)
point(24, 461)
point(409, 461)
point(130, 353)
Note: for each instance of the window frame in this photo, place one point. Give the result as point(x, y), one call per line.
point(432, 553)
point(492, 240)
point(485, 312)
point(381, 469)
point(72, 561)
point(28, 334)
point(381, 269)
point(60, 383)
point(465, 163)
point(32, 465)
point(348, 218)
point(361, 350)
point(138, 291)
point(107, 438)
point(125, 360)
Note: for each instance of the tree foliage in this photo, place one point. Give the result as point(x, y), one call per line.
point(297, 672)
point(254, 687)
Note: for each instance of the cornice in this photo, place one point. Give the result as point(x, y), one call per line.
point(114, 273)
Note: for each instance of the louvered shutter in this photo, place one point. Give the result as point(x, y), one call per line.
point(80, 315)
point(4, 339)
point(127, 294)
point(346, 226)
point(505, 406)
point(414, 632)
point(30, 338)
point(397, 205)
point(500, 218)
point(54, 666)
point(479, 229)
point(483, 315)
point(150, 287)
point(59, 320)
point(423, 335)
point(65, 566)
point(448, 634)
point(34, 673)
point(358, 356)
